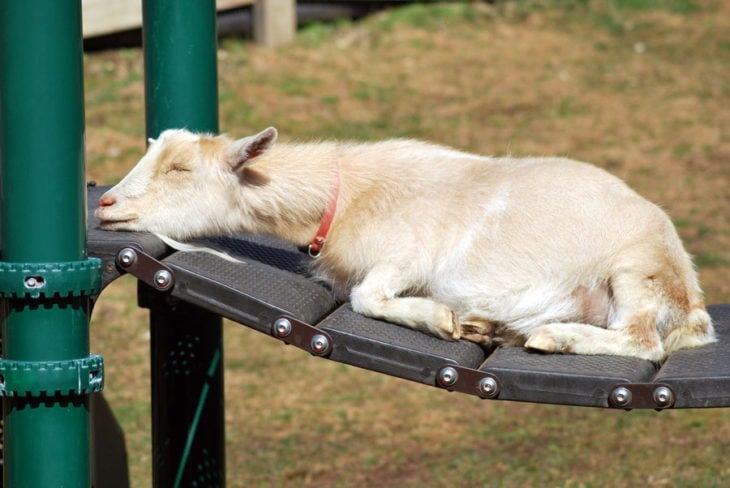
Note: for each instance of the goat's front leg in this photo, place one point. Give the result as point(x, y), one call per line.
point(377, 296)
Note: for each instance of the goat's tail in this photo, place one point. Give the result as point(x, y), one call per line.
point(658, 288)
point(691, 324)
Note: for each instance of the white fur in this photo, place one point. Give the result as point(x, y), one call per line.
point(549, 252)
point(195, 247)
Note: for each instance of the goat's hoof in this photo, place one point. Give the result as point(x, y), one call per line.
point(542, 341)
point(480, 339)
point(455, 326)
point(447, 325)
point(478, 331)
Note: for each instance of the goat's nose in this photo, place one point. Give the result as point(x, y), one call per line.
point(107, 201)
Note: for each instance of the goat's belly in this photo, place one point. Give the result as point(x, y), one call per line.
point(527, 292)
point(520, 310)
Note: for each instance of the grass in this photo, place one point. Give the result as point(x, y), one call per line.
point(640, 88)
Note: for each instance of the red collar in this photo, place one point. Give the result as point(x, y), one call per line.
point(315, 246)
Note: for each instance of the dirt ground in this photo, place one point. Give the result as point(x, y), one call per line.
point(640, 88)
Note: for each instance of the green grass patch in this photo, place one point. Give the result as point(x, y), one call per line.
point(710, 259)
point(430, 15)
point(317, 33)
point(297, 86)
point(678, 6)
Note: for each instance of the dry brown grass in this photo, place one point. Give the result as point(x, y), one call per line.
point(643, 93)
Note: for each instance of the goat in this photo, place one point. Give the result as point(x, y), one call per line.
point(553, 254)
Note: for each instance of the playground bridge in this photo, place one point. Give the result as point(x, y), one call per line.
point(269, 291)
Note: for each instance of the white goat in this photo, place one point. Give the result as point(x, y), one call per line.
point(551, 253)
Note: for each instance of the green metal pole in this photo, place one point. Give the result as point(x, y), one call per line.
point(181, 86)
point(181, 77)
point(45, 278)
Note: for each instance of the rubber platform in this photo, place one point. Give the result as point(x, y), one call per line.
point(564, 379)
point(395, 350)
point(251, 293)
point(271, 280)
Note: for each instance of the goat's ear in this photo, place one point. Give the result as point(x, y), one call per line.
point(244, 150)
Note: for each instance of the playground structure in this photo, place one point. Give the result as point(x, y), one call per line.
point(48, 283)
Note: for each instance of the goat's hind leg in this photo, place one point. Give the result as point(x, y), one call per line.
point(632, 332)
point(377, 296)
point(579, 338)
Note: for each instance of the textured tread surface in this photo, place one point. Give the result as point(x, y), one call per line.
point(265, 250)
point(700, 377)
point(251, 293)
point(393, 349)
point(563, 379)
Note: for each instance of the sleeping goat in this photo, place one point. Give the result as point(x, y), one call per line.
point(549, 253)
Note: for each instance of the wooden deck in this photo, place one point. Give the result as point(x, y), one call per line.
point(274, 20)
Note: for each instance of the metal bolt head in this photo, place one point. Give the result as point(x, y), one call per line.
point(448, 376)
point(488, 387)
point(163, 279)
point(282, 327)
point(33, 282)
point(127, 257)
point(663, 397)
point(621, 396)
point(320, 344)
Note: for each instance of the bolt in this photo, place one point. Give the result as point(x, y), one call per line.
point(127, 257)
point(448, 376)
point(663, 397)
point(320, 344)
point(282, 327)
point(621, 396)
point(488, 387)
point(163, 279)
point(34, 282)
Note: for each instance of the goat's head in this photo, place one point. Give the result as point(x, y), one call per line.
point(184, 186)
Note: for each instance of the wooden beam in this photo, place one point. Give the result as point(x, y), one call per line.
point(108, 16)
point(274, 22)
